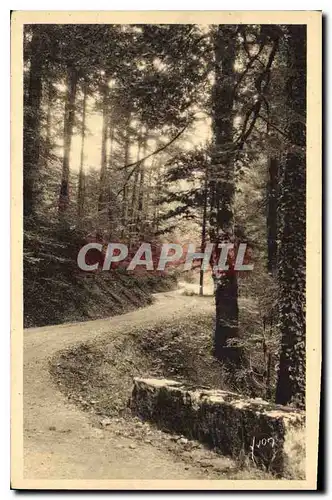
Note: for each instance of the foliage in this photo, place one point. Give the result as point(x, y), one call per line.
point(186, 121)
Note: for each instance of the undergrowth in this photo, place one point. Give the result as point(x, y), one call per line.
point(103, 372)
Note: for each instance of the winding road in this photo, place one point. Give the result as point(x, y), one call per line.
point(60, 440)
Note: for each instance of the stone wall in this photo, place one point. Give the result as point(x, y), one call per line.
point(271, 436)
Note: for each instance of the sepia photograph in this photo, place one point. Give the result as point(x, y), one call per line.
point(166, 238)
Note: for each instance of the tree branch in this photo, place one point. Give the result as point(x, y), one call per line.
point(261, 84)
point(273, 126)
point(249, 65)
point(157, 150)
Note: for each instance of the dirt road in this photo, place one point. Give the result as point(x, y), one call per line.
point(60, 441)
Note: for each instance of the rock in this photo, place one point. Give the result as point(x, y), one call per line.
point(205, 464)
point(106, 421)
point(194, 445)
point(133, 446)
point(270, 436)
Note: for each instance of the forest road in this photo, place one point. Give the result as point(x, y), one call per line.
point(60, 441)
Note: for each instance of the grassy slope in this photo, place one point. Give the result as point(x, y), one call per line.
point(59, 299)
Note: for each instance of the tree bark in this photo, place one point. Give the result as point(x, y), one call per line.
point(135, 192)
point(141, 192)
point(223, 173)
point(111, 199)
point(149, 208)
point(103, 190)
point(72, 79)
point(272, 204)
point(156, 198)
point(50, 97)
point(81, 177)
point(203, 234)
point(292, 257)
point(31, 144)
point(124, 215)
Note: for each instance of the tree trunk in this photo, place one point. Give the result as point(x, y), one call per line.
point(292, 257)
point(227, 314)
point(272, 203)
point(111, 198)
point(31, 144)
point(149, 209)
point(134, 198)
point(81, 177)
point(156, 198)
point(50, 97)
point(124, 215)
point(67, 137)
point(103, 189)
point(223, 174)
point(203, 234)
point(141, 192)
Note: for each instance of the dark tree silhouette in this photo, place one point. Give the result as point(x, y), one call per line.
point(292, 253)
